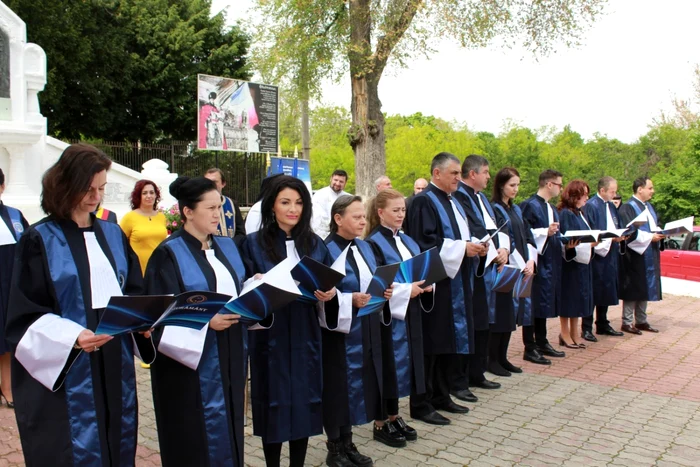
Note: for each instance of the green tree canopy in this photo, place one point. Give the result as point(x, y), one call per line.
point(127, 69)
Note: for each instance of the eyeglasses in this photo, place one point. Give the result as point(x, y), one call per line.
point(557, 184)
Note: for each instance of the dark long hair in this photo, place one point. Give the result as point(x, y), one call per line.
point(501, 178)
point(574, 190)
point(189, 192)
point(67, 181)
point(138, 189)
point(268, 237)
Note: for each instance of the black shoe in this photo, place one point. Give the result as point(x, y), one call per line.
point(464, 395)
point(609, 331)
point(433, 418)
point(336, 455)
point(535, 357)
point(510, 367)
point(389, 435)
point(588, 335)
point(486, 384)
point(451, 407)
point(495, 368)
point(353, 454)
point(550, 351)
point(407, 432)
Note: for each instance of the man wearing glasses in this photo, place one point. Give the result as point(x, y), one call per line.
point(541, 217)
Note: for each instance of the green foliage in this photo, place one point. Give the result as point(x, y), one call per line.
point(667, 153)
point(127, 69)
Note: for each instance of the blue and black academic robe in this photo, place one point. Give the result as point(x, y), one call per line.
point(72, 407)
point(483, 276)
point(606, 260)
point(199, 382)
point(576, 271)
point(16, 224)
point(285, 357)
point(403, 344)
point(640, 275)
point(231, 222)
point(449, 327)
point(546, 286)
point(510, 311)
point(352, 346)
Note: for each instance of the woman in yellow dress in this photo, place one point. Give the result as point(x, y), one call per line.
point(144, 226)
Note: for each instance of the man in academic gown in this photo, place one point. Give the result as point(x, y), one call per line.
point(231, 223)
point(601, 214)
point(481, 219)
point(640, 270)
point(542, 218)
point(436, 220)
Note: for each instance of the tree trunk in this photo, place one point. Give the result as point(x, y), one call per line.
point(367, 134)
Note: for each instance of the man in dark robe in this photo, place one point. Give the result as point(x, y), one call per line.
point(481, 219)
point(542, 218)
point(436, 220)
point(640, 271)
point(601, 214)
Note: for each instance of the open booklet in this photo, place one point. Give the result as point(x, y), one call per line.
point(310, 276)
point(426, 267)
point(678, 227)
point(262, 297)
point(381, 280)
point(131, 313)
point(582, 236)
point(511, 277)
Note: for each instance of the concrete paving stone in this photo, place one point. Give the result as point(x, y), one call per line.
point(669, 459)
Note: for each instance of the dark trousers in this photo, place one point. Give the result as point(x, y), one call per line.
point(601, 320)
point(536, 335)
point(470, 368)
point(297, 453)
point(437, 389)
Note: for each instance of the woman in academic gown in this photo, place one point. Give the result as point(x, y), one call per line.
point(352, 345)
point(13, 224)
point(75, 392)
point(404, 372)
point(285, 348)
point(199, 376)
point(577, 273)
point(508, 311)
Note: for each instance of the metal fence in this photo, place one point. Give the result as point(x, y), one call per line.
point(243, 171)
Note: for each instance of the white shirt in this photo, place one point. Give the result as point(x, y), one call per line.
point(322, 201)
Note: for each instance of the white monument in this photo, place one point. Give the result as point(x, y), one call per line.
point(26, 151)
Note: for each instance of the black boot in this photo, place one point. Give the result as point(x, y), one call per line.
point(352, 453)
point(336, 455)
point(494, 365)
point(505, 342)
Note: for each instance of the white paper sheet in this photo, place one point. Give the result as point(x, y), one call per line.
point(7, 237)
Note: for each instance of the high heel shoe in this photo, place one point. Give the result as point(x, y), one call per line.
point(563, 343)
point(580, 345)
point(10, 404)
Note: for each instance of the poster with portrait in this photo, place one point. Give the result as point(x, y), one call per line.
point(235, 115)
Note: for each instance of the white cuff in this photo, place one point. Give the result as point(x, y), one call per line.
point(603, 248)
point(583, 253)
point(45, 347)
point(640, 244)
point(452, 254)
point(398, 303)
point(183, 344)
point(344, 313)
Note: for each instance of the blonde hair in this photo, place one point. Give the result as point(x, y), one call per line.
point(375, 204)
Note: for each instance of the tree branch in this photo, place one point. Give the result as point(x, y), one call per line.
point(395, 29)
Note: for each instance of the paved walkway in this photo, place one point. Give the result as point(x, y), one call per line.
point(629, 401)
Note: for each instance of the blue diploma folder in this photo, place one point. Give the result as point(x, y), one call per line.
point(426, 266)
point(140, 313)
point(311, 276)
point(506, 279)
point(523, 286)
point(260, 302)
point(383, 278)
